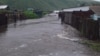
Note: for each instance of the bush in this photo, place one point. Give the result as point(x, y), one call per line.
point(30, 14)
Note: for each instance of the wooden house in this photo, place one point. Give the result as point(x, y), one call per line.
point(3, 14)
point(85, 19)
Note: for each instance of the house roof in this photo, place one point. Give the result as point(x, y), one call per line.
point(77, 9)
point(3, 6)
point(95, 9)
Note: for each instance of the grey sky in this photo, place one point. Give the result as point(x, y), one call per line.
point(90, 0)
point(97, 0)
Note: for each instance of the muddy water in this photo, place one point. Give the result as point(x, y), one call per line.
point(42, 37)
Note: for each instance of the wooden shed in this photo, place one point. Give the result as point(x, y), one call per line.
point(3, 14)
point(85, 19)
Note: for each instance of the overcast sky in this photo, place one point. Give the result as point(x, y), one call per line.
point(97, 0)
point(89, 0)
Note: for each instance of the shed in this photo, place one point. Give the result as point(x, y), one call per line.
point(85, 19)
point(3, 14)
point(3, 7)
point(94, 10)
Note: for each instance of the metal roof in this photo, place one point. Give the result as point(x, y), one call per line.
point(3, 6)
point(95, 9)
point(77, 9)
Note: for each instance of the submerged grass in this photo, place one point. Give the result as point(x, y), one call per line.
point(92, 44)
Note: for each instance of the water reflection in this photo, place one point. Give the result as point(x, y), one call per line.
point(3, 30)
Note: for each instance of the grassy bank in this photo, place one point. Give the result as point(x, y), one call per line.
point(92, 44)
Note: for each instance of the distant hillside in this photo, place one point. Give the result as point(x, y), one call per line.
point(44, 4)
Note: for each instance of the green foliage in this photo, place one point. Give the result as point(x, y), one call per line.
point(30, 14)
point(45, 4)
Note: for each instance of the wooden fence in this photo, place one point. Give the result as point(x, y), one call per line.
point(82, 22)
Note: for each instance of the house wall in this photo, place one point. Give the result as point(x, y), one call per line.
point(82, 21)
point(3, 19)
point(68, 16)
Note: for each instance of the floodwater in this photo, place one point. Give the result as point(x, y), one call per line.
point(41, 37)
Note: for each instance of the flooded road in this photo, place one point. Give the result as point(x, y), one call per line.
point(41, 37)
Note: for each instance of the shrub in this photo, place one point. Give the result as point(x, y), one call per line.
point(30, 14)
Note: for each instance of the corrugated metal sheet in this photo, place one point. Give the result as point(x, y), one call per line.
point(77, 9)
point(95, 9)
point(3, 6)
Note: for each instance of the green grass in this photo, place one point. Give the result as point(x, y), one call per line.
point(92, 44)
point(31, 15)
